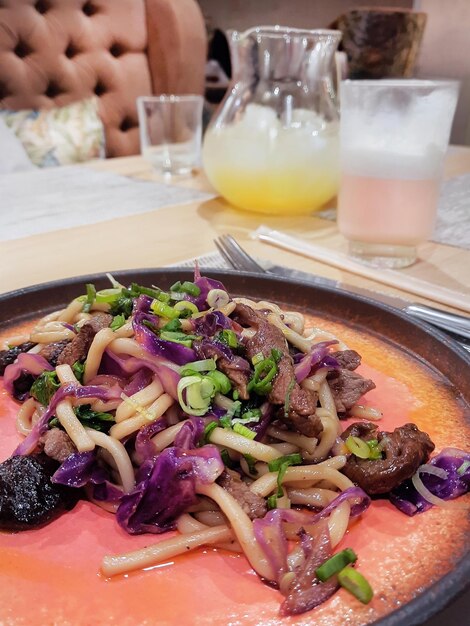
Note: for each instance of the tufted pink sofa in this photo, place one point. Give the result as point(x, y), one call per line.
point(54, 52)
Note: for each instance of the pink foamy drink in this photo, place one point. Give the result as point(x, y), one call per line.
point(394, 134)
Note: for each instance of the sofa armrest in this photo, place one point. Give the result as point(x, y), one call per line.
point(177, 46)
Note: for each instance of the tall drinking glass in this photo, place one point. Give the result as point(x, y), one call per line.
point(171, 132)
point(393, 137)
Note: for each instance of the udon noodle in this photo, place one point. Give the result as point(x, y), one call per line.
point(181, 424)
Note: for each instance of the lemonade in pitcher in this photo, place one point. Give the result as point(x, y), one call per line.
point(271, 168)
point(273, 145)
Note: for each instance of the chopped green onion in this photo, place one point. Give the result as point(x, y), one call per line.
point(163, 297)
point(163, 310)
point(206, 435)
point(204, 365)
point(178, 337)
point(228, 337)
point(217, 298)
point(235, 394)
point(225, 456)
point(276, 354)
point(358, 447)
point(225, 422)
point(463, 468)
point(242, 430)
point(250, 461)
point(375, 451)
point(252, 415)
point(197, 397)
point(265, 371)
point(116, 284)
point(272, 502)
point(185, 305)
point(221, 381)
point(257, 358)
point(288, 459)
point(354, 582)
point(108, 295)
point(234, 409)
point(186, 287)
point(138, 290)
point(335, 564)
point(118, 321)
point(90, 297)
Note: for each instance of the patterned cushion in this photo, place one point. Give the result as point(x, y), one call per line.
point(59, 136)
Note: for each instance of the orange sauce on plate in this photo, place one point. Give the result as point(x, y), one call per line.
point(51, 575)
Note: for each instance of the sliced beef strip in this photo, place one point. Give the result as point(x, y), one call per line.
point(347, 387)
point(52, 351)
point(57, 444)
point(28, 498)
point(78, 348)
point(302, 403)
point(7, 357)
point(405, 449)
point(253, 505)
point(347, 359)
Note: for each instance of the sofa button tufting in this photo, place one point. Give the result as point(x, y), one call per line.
point(71, 51)
point(117, 50)
point(100, 89)
point(126, 124)
point(42, 6)
point(4, 91)
point(53, 90)
point(22, 49)
point(89, 8)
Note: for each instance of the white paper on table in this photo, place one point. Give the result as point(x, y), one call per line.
point(63, 197)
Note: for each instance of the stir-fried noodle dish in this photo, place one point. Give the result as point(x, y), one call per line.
point(219, 417)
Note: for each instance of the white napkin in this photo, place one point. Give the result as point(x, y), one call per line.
point(342, 261)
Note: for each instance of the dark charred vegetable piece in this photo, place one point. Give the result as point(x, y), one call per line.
point(28, 498)
point(7, 357)
point(405, 449)
point(298, 405)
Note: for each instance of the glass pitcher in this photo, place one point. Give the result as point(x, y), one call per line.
point(272, 146)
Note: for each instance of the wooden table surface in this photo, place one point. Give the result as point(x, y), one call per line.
point(166, 236)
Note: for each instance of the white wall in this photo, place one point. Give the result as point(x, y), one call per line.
point(242, 14)
point(445, 52)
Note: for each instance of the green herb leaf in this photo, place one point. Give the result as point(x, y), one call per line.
point(94, 419)
point(172, 326)
point(118, 321)
point(44, 387)
point(78, 370)
point(228, 337)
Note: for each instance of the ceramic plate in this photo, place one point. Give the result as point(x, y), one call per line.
point(416, 565)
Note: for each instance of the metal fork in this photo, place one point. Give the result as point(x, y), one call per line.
point(236, 257)
point(456, 325)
